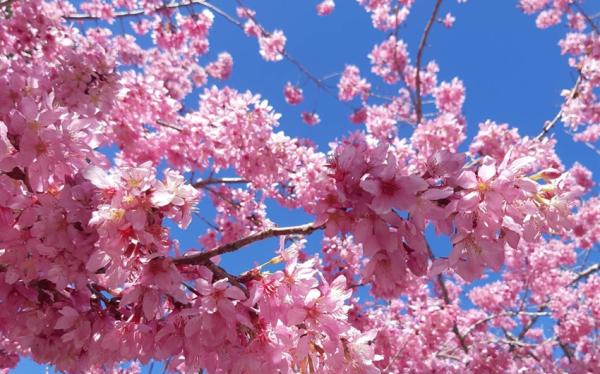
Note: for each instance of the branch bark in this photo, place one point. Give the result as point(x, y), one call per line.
point(140, 12)
point(202, 258)
point(422, 43)
point(550, 124)
point(455, 330)
point(206, 182)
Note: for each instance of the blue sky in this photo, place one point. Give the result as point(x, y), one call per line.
point(512, 71)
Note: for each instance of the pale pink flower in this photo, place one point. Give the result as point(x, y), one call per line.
point(325, 7)
point(292, 94)
point(310, 118)
point(448, 20)
point(220, 69)
point(352, 85)
point(272, 46)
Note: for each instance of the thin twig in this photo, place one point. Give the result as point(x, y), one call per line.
point(587, 144)
point(550, 124)
point(422, 43)
point(206, 182)
point(581, 275)
point(168, 125)
point(455, 329)
point(140, 12)
point(202, 258)
point(590, 20)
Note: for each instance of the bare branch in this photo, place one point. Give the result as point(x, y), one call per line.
point(422, 43)
point(566, 351)
point(206, 182)
point(587, 144)
point(140, 12)
point(589, 19)
point(586, 273)
point(168, 125)
point(550, 124)
point(202, 258)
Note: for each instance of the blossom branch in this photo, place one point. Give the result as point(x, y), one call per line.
point(422, 43)
point(202, 258)
point(586, 273)
point(140, 12)
point(590, 20)
point(455, 329)
point(581, 275)
point(550, 124)
point(222, 273)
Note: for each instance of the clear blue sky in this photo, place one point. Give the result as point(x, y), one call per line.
point(512, 71)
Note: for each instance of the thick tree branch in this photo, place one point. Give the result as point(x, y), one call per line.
point(422, 43)
point(202, 258)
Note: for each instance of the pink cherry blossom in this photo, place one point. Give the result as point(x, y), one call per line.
point(272, 46)
point(310, 118)
point(430, 259)
point(293, 95)
point(325, 7)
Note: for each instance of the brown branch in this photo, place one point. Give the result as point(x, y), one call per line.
point(140, 12)
point(110, 304)
point(581, 275)
point(206, 182)
point(455, 329)
point(168, 125)
point(589, 19)
point(131, 13)
point(550, 124)
point(202, 258)
point(222, 273)
point(500, 315)
point(566, 351)
point(191, 289)
point(422, 43)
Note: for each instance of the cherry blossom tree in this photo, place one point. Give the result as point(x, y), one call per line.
point(100, 158)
